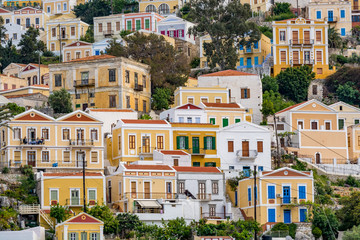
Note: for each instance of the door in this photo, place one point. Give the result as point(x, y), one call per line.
point(286, 194)
point(307, 37)
point(295, 37)
point(318, 158)
point(85, 106)
point(195, 145)
point(307, 57)
point(303, 215)
point(133, 189)
point(245, 149)
point(169, 190)
point(32, 134)
point(79, 136)
point(330, 16)
point(108, 28)
point(271, 215)
point(246, 171)
point(248, 62)
point(201, 191)
point(147, 190)
point(75, 198)
point(84, 236)
point(80, 158)
point(287, 216)
point(176, 162)
point(236, 198)
point(84, 78)
point(296, 57)
point(145, 144)
point(31, 156)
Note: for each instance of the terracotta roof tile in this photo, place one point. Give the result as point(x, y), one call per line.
point(226, 73)
point(37, 65)
point(197, 169)
point(289, 108)
point(39, 85)
point(147, 167)
point(21, 95)
point(72, 174)
point(222, 105)
point(2, 10)
point(109, 110)
point(173, 152)
point(81, 43)
point(140, 121)
point(96, 57)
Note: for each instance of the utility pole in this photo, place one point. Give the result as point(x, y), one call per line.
point(60, 37)
point(255, 197)
point(277, 161)
point(84, 194)
point(297, 8)
point(39, 81)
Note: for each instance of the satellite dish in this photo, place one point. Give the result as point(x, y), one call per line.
point(142, 158)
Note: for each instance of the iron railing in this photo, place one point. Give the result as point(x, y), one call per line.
point(246, 154)
point(32, 141)
point(331, 19)
point(138, 87)
point(149, 195)
point(301, 41)
point(301, 61)
point(216, 215)
point(81, 142)
point(108, 32)
point(203, 196)
point(41, 163)
point(84, 82)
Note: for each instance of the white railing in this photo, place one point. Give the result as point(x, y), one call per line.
point(29, 209)
point(47, 219)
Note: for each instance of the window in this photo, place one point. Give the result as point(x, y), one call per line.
point(144, 81)
point(75, 198)
point(91, 195)
point(100, 27)
point(136, 104)
point(45, 133)
point(54, 196)
point(150, 8)
point(68, 57)
point(341, 123)
point(204, 100)
point(215, 187)
point(356, 121)
point(131, 141)
point(18, 21)
point(65, 134)
point(94, 157)
point(189, 119)
point(191, 100)
point(57, 80)
point(164, 9)
point(65, 7)
point(160, 142)
point(117, 26)
point(87, 53)
point(318, 14)
point(52, 46)
point(318, 36)
point(182, 142)
point(181, 187)
point(5, 86)
point(144, 105)
point(319, 71)
point(282, 56)
point(112, 101)
point(342, 13)
point(127, 98)
point(66, 156)
point(271, 192)
point(231, 146)
point(138, 25)
point(302, 192)
point(168, 187)
point(127, 77)
point(17, 133)
point(128, 25)
point(112, 77)
point(343, 32)
point(241, 61)
point(78, 55)
point(225, 122)
point(27, 22)
point(327, 125)
point(282, 36)
point(212, 121)
point(245, 93)
point(176, 162)
point(45, 156)
point(94, 134)
point(209, 143)
point(197, 119)
point(314, 125)
point(48, 10)
point(249, 194)
point(300, 125)
point(72, 31)
point(147, 23)
point(260, 147)
point(319, 56)
point(37, 21)
point(181, 119)
point(314, 90)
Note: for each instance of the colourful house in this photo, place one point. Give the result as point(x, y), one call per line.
point(298, 42)
point(82, 226)
point(281, 195)
point(160, 6)
point(195, 95)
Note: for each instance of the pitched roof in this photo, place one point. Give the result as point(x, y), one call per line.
point(22, 95)
point(78, 43)
point(173, 152)
point(2, 10)
point(222, 105)
point(291, 107)
point(96, 57)
point(197, 169)
point(188, 106)
point(226, 73)
point(72, 174)
point(147, 167)
point(140, 121)
point(84, 218)
point(109, 110)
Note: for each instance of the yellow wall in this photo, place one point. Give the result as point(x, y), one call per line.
point(263, 50)
point(23, 3)
point(26, 90)
point(53, 6)
point(11, 82)
point(183, 93)
point(70, 53)
point(232, 115)
point(29, 75)
point(172, 5)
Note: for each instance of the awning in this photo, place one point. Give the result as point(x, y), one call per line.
point(148, 203)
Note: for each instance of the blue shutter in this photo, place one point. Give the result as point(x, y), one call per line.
point(303, 215)
point(271, 215)
point(342, 13)
point(241, 47)
point(260, 168)
point(241, 61)
point(271, 192)
point(256, 45)
point(249, 194)
point(342, 32)
point(302, 192)
point(248, 62)
point(256, 60)
point(318, 14)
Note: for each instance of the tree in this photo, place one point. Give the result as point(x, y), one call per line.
point(60, 101)
point(272, 103)
point(334, 39)
point(127, 222)
point(280, 8)
point(2, 30)
point(227, 25)
point(96, 8)
point(352, 234)
point(349, 214)
point(347, 93)
point(60, 213)
point(269, 83)
point(325, 219)
point(89, 35)
point(195, 62)
point(30, 46)
point(161, 98)
point(169, 69)
point(8, 218)
point(103, 213)
point(294, 82)
point(15, 109)
point(8, 54)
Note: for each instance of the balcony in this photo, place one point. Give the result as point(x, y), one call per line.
point(38, 163)
point(301, 42)
point(216, 215)
point(84, 83)
point(302, 61)
point(81, 143)
point(32, 142)
point(288, 201)
point(331, 19)
point(138, 87)
point(74, 202)
point(247, 155)
point(63, 36)
point(146, 150)
point(108, 33)
point(203, 196)
point(150, 195)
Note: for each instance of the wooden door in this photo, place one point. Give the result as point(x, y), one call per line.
point(146, 144)
point(147, 190)
point(245, 149)
point(133, 189)
point(201, 191)
point(318, 158)
point(307, 37)
point(296, 57)
point(31, 158)
point(295, 37)
point(109, 28)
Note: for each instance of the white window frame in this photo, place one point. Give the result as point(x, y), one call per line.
point(267, 193)
point(62, 135)
point(20, 134)
point(320, 14)
point(216, 98)
point(78, 189)
point(282, 30)
point(322, 55)
point(65, 7)
point(57, 195)
point(298, 192)
point(97, 140)
point(191, 97)
point(149, 181)
point(172, 187)
point(327, 121)
point(204, 97)
point(213, 117)
point(303, 124)
point(129, 149)
point(70, 156)
point(127, 25)
point(88, 194)
point(42, 160)
point(286, 56)
point(48, 134)
point(317, 121)
point(75, 138)
point(91, 162)
point(163, 135)
point(267, 213)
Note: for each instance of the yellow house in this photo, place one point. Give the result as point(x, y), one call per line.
point(163, 7)
point(34, 75)
point(28, 16)
point(62, 30)
point(43, 89)
point(52, 7)
point(348, 115)
point(281, 195)
point(199, 140)
point(76, 50)
point(22, 3)
point(104, 81)
point(42, 142)
point(135, 188)
point(318, 132)
point(82, 226)
point(300, 41)
point(259, 6)
point(196, 95)
point(336, 13)
point(9, 82)
point(137, 139)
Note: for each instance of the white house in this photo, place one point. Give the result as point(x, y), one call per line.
point(13, 32)
point(100, 46)
point(172, 157)
point(176, 27)
point(244, 88)
point(185, 113)
point(243, 145)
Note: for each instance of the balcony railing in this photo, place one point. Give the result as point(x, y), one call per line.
point(149, 210)
point(84, 83)
point(108, 33)
point(288, 200)
point(301, 42)
point(138, 87)
point(75, 202)
point(41, 163)
point(150, 195)
point(146, 150)
point(198, 151)
point(81, 142)
point(216, 215)
point(302, 61)
point(203, 196)
point(331, 19)
point(247, 155)
point(63, 36)
point(32, 141)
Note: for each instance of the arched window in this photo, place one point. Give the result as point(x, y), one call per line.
point(35, 80)
point(150, 8)
point(164, 9)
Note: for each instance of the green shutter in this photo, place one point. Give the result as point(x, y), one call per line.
point(196, 164)
point(237, 120)
point(178, 142)
point(138, 25)
point(356, 121)
point(69, 237)
point(129, 25)
point(225, 122)
point(213, 143)
point(205, 142)
point(76, 236)
point(78, 105)
point(53, 195)
point(341, 124)
point(186, 142)
point(147, 23)
point(212, 121)
point(84, 236)
point(92, 195)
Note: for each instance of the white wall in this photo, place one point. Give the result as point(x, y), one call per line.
point(184, 160)
point(174, 114)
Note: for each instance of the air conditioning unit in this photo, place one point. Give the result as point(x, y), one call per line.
point(54, 202)
point(278, 195)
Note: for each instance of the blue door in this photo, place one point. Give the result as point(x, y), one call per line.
point(303, 215)
point(287, 216)
point(236, 198)
point(286, 194)
point(330, 16)
point(248, 62)
point(271, 215)
point(246, 171)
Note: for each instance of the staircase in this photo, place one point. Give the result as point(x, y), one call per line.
point(47, 219)
point(236, 213)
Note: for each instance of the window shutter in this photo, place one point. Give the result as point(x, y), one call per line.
point(205, 142)
point(162, 32)
point(302, 192)
point(186, 142)
point(182, 33)
point(249, 194)
point(69, 237)
point(248, 93)
point(230, 146)
point(94, 157)
point(76, 236)
point(260, 146)
point(242, 93)
point(178, 142)
point(213, 143)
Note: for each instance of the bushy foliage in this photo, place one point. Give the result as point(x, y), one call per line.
point(103, 213)
point(316, 232)
point(269, 84)
point(267, 31)
point(272, 103)
point(352, 234)
point(347, 93)
point(161, 98)
point(60, 101)
point(349, 214)
point(60, 213)
point(325, 219)
point(127, 222)
point(8, 218)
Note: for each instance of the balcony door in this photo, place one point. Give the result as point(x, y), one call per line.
point(31, 156)
point(195, 145)
point(75, 197)
point(146, 144)
point(80, 136)
point(245, 149)
point(307, 37)
point(330, 16)
point(202, 190)
point(295, 37)
point(84, 78)
point(286, 194)
point(147, 190)
point(80, 159)
point(31, 134)
point(296, 57)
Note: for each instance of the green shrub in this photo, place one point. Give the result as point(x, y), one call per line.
point(292, 230)
point(5, 170)
point(337, 195)
point(280, 227)
point(317, 232)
